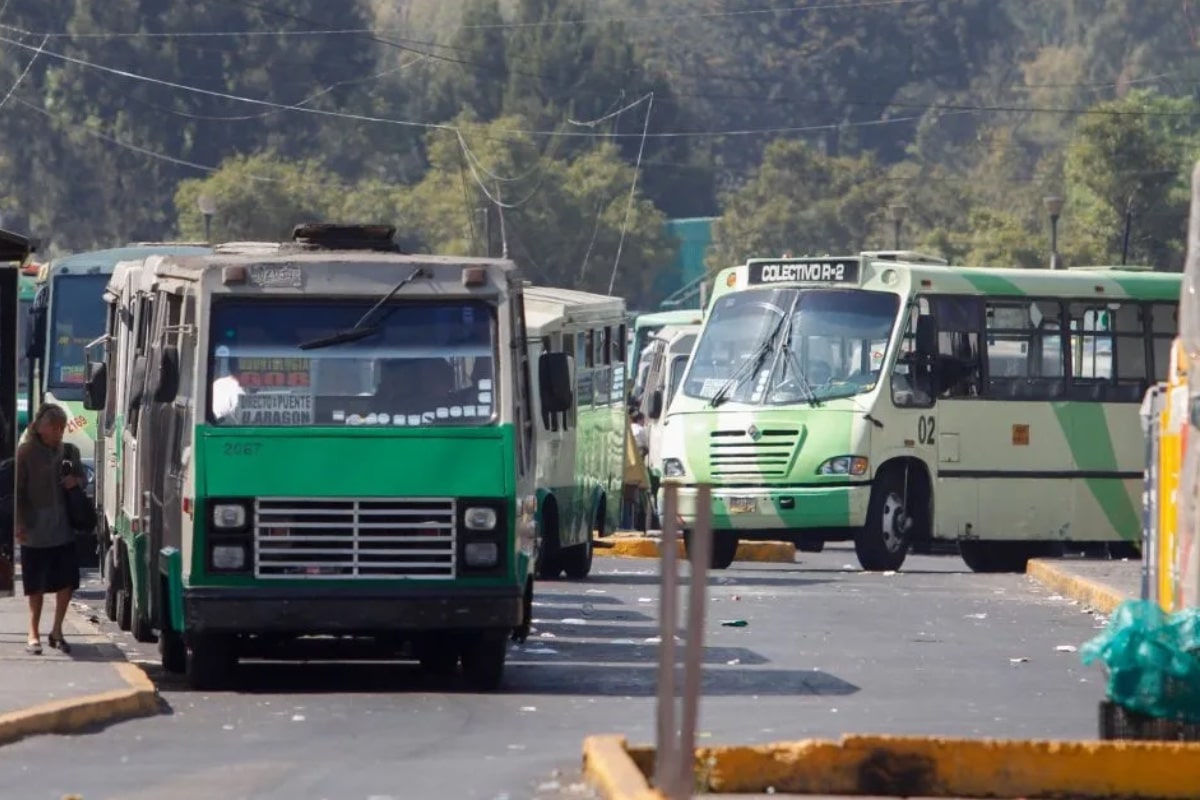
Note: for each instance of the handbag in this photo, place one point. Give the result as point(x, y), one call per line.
point(80, 511)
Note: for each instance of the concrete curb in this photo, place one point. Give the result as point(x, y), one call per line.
point(649, 547)
point(1097, 595)
point(74, 714)
point(896, 766)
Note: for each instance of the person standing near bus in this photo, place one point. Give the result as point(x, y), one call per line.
point(43, 526)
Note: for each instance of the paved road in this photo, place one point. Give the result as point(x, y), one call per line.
point(827, 650)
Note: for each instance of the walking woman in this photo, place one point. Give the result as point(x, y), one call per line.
point(46, 470)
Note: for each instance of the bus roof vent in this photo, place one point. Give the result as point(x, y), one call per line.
point(331, 236)
point(1121, 268)
point(906, 257)
point(167, 244)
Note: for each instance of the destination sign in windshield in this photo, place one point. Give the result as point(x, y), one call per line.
point(833, 270)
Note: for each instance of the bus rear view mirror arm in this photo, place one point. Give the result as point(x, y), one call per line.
point(166, 378)
point(656, 404)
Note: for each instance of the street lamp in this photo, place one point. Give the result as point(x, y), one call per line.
point(896, 212)
point(208, 207)
point(1054, 207)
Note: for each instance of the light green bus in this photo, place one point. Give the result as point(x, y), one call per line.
point(324, 438)
point(646, 325)
point(581, 448)
point(887, 402)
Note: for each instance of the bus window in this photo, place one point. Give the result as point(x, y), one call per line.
point(1024, 350)
point(1164, 324)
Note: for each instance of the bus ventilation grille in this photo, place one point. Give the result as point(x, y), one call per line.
point(738, 455)
point(354, 538)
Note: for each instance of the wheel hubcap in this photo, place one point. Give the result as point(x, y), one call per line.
point(896, 522)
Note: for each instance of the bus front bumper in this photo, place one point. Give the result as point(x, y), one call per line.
point(315, 610)
point(754, 509)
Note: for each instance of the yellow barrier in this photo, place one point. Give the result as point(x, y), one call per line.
point(912, 766)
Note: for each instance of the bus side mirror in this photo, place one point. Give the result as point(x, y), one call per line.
point(35, 333)
point(95, 388)
point(166, 381)
point(656, 404)
point(554, 383)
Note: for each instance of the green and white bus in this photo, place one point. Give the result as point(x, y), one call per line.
point(646, 325)
point(580, 449)
point(887, 402)
point(67, 315)
point(332, 439)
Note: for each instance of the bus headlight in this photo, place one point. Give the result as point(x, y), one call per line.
point(479, 519)
point(481, 554)
point(855, 466)
point(227, 516)
point(229, 557)
point(673, 468)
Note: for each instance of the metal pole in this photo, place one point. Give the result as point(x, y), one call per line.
point(208, 228)
point(666, 760)
point(1054, 241)
point(693, 658)
point(896, 233)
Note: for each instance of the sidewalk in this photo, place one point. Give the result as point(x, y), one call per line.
point(1103, 585)
point(56, 693)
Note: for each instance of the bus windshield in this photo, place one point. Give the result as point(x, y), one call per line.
point(77, 317)
point(786, 346)
point(426, 364)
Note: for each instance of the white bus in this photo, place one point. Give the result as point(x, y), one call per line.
point(580, 452)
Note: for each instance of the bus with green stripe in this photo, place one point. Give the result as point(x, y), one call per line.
point(323, 438)
point(889, 399)
point(66, 315)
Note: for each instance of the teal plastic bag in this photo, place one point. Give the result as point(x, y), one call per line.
point(1153, 660)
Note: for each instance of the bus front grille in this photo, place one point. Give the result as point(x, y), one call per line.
point(740, 455)
point(361, 538)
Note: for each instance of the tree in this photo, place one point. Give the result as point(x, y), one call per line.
point(259, 198)
point(803, 203)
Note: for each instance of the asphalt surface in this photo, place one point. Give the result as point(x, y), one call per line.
point(826, 650)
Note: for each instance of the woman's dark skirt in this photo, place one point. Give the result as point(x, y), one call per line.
point(46, 570)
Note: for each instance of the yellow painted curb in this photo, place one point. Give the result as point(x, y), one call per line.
point(648, 547)
point(916, 767)
point(1100, 597)
point(140, 699)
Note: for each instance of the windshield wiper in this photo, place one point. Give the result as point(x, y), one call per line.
point(810, 394)
point(357, 332)
point(749, 367)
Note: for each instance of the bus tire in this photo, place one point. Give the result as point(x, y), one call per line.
point(549, 555)
point(994, 556)
point(438, 656)
point(577, 560)
point(140, 626)
point(209, 663)
point(882, 543)
point(110, 583)
point(483, 657)
point(724, 548)
point(124, 603)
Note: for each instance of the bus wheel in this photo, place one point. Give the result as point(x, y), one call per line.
point(140, 626)
point(724, 548)
point(882, 544)
point(577, 560)
point(549, 555)
point(483, 660)
point(210, 661)
point(111, 574)
point(124, 602)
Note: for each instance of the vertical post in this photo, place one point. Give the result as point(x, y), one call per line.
point(666, 759)
point(1128, 230)
point(9, 273)
point(1054, 206)
point(701, 557)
